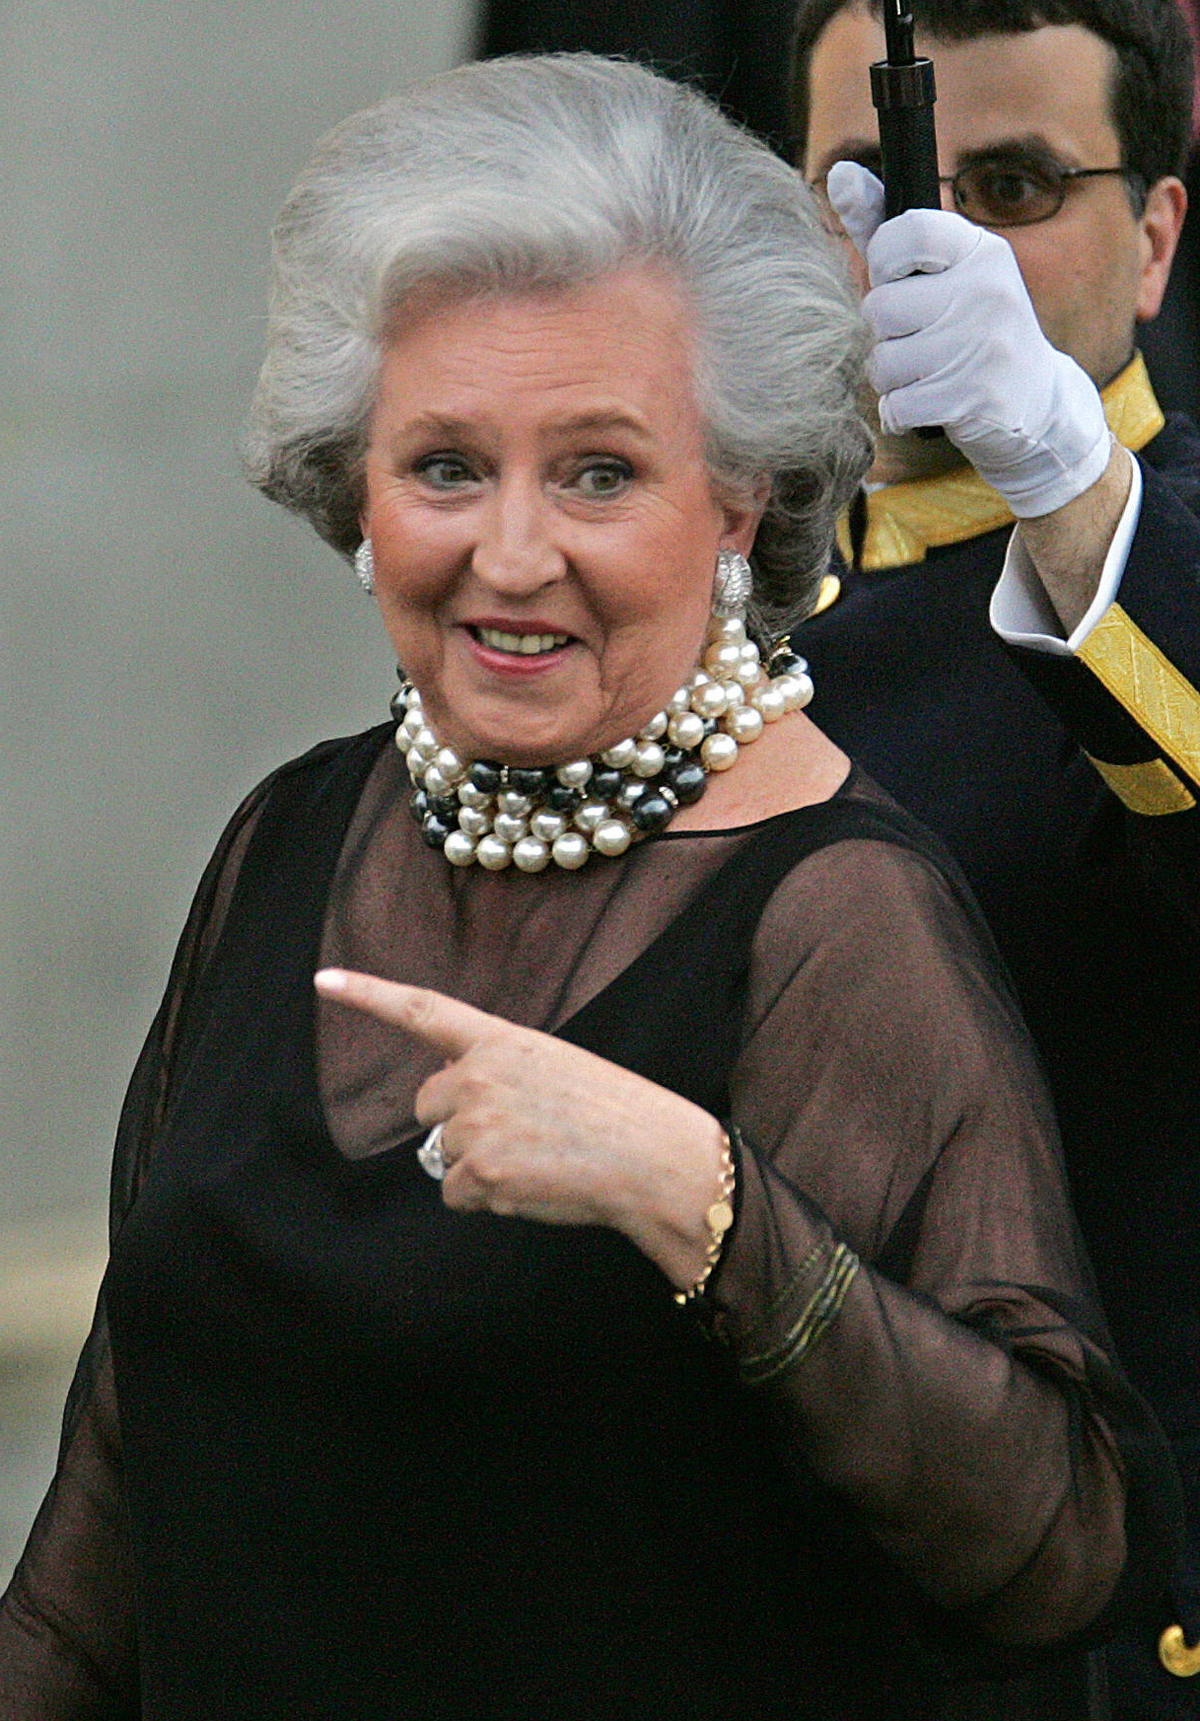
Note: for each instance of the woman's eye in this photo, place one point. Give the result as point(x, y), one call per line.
point(599, 478)
point(444, 471)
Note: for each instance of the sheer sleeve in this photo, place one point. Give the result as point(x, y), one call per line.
point(904, 1279)
point(67, 1639)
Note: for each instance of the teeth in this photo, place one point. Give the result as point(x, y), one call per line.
point(524, 644)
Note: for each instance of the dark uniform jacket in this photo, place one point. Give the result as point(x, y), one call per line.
point(1067, 789)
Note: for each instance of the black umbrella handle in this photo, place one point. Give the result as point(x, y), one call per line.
point(903, 91)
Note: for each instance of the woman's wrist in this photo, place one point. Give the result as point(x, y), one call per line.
point(666, 1210)
point(718, 1219)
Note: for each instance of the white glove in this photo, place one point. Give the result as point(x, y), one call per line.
point(958, 344)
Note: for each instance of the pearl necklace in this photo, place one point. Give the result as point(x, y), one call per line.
point(496, 815)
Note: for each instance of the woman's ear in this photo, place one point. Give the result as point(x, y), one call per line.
point(742, 515)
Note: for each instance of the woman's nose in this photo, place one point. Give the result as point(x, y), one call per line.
point(515, 549)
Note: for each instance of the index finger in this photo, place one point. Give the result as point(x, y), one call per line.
point(857, 199)
point(448, 1025)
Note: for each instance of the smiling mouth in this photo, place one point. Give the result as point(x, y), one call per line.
point(520, 644)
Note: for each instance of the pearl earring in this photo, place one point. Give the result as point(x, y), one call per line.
point(732, 585)
point(364, 566)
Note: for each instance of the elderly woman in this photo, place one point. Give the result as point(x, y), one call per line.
point(643, 1285)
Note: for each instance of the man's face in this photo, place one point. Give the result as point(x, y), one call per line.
point(1090, 269)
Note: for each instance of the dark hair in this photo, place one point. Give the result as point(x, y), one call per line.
point(1150, 102)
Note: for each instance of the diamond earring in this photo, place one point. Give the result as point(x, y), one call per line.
point(732, 585)
point(364, 566)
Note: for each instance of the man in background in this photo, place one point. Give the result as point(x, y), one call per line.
point(1047, 723)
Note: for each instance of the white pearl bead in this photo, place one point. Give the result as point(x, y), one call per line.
point(531, 855)
point(470, 796)
point(744, 725)
point(575, 774)
point(709, 700)
point(719, 751)
point(723, 659)
point(413, 722)
point(735, 694)
point(474, 821)
point(655, 729)
point(629, 794)
point(416, 764)
point(697, 678)
point(491, 853)
point(570, 851)
point(726, 628)
point(769, 701)
point(748, 672)
point(509, 828)
point(686, 730)
point(680, 700)
point(435, 783)
point(450, 765)
point(611, 838)
point(459, 849)
point(547, 825)
point(797, 690)
point(649, 759)
point(516, 806)
point(590, 815)
point(621, 755)
point(426, 743)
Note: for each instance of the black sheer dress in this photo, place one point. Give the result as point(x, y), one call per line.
point(335, 1451)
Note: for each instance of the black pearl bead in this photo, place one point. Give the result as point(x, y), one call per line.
point(527, 779)
point(786, 663)
point(418, 803)
point(445, 807)
point(651, 812)
point(485, 776)
point(673, 756)
point(398, 704)
point(560, 798)
point(435, 830)
point(687, 781)
point(606, 782)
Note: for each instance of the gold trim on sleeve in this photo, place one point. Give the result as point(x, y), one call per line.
point(816, 1317)
point(1159, 699)
point(1151, 788)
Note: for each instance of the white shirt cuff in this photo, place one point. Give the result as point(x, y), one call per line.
point(1021, 611)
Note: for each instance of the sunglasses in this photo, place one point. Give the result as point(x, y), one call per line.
point(1013, 189)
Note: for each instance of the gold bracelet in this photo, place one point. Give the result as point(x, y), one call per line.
point(718, 1219)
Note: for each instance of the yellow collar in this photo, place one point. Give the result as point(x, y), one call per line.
point(906, 520)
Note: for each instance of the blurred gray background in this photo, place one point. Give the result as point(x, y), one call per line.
point(166, 635)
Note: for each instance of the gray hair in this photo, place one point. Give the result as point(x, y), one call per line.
point(536, 173)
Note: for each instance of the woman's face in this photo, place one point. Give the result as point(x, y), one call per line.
point(544, 527)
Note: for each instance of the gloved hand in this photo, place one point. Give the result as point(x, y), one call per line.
point(959, 345)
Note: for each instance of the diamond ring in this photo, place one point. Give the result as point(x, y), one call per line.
point(429, 1154)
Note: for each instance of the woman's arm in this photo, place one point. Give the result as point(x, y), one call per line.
point(905, 1279)
point(68, 1647)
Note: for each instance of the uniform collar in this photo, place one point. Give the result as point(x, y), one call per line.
point(906, 520)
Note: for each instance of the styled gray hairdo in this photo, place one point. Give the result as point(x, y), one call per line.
point(535, 173)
